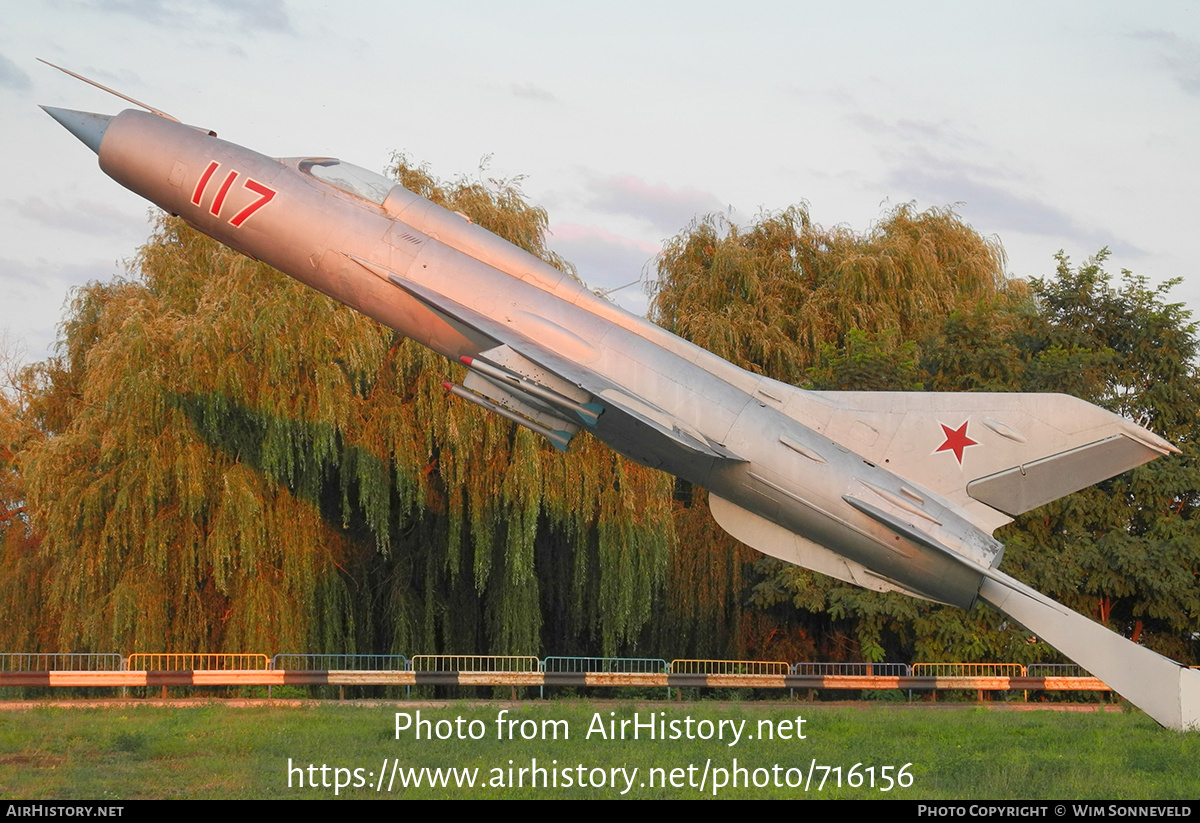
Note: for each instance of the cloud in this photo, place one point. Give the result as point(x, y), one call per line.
point(576, 233)
point(1181, 57)
point(529, 91)
point(930, 163)
point(919, 132)
point(990, 204)
point(266, 15)
point(31, 298)
point(50, 278)
point(261, 15)
point(12, 77)
point(17, 274)
point(667, 209)
point(84, 216)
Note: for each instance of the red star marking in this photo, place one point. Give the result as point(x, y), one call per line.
point(956, 440)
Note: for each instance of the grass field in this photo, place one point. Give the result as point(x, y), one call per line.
point(216, 750)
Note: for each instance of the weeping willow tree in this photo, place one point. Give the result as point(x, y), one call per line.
point(22, 567)
point(770, 296)
point(232, 461)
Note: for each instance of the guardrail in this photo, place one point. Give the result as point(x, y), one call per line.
point(154, 669)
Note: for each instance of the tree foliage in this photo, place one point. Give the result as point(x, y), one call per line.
point(22, 567)
point(233, 461)
point(770, 296)
point(1125, 551)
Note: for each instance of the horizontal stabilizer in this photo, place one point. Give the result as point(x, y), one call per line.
point(994, 455)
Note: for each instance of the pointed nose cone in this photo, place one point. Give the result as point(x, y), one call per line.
point(88, 127)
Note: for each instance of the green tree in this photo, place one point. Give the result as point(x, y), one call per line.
point(22, 567)
point(769, 297)
point(1126, 551)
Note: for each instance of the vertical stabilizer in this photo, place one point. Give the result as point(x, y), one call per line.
point(1163, 689)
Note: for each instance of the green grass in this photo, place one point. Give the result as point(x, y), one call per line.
point(218, 751)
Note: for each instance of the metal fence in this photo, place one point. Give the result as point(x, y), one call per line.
point(64, 662)
point(1056, 670)
point(474, 663)
point(341, 662)
point(851, 669)
point(968, 670)
point(730, 667)
point(605, 665)
point(192, 662)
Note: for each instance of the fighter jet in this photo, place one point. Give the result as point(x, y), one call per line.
point(895, 492)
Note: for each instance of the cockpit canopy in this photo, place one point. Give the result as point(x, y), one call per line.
point(349, 178)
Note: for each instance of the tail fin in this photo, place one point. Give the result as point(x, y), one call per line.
point(994, 455)
point(1162, 688)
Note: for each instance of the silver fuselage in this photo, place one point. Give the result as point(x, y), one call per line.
point(789, 473)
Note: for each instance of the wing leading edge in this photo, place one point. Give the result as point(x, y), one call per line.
point(641, 430)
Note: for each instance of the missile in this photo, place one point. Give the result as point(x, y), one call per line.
point(588, 412)
point(558, 438)
point(892, 491)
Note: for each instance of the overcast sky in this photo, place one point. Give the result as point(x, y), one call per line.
point(1052, 126)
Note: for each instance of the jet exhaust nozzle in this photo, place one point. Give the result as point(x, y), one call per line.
point(85, 125)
